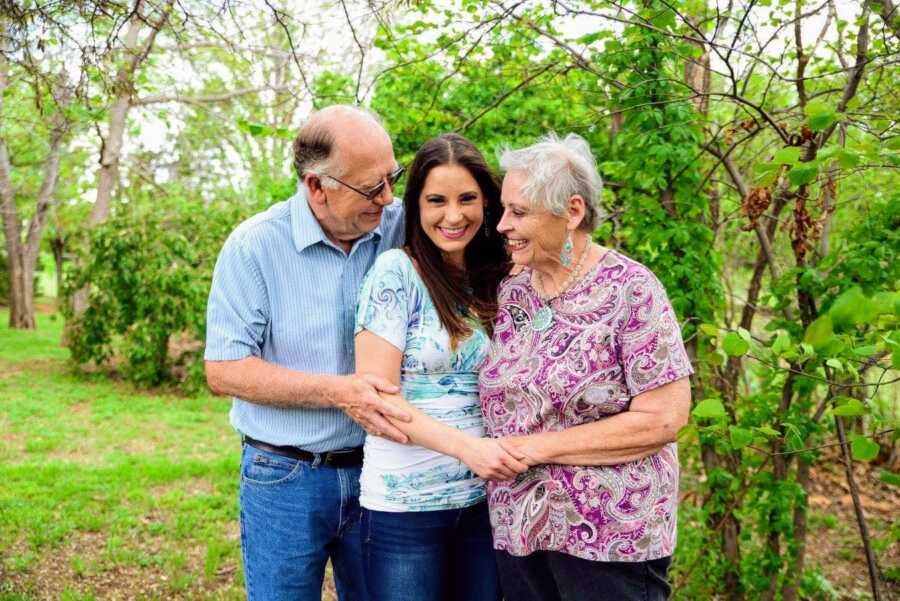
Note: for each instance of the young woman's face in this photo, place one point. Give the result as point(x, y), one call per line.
point(451, 209)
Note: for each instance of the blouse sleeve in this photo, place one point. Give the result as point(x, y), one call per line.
point(650, 346)
point(384, 299)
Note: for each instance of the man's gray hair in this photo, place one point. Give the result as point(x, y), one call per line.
point(556, 169)
point(314, 146)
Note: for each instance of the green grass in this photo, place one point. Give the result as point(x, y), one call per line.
point(108, 490)
point(23, 346)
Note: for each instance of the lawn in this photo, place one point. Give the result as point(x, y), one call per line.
point(115, 492)
point(108, 491)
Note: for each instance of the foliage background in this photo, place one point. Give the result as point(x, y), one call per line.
point(750, 153)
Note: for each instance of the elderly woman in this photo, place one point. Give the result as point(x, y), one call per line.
point(587, 383)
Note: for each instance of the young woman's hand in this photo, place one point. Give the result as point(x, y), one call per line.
point(518, 447)
point(489, 460)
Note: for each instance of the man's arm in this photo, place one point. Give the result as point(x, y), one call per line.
point(261, 382)
point(652, 421)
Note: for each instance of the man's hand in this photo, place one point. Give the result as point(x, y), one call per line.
point(357, 396)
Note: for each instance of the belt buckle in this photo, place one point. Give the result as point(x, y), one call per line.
point(329, 459)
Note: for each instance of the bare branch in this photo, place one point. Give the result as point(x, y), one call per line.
point(208, 98)
point(362, 51)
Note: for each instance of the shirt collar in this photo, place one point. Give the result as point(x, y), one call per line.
point(306, 229)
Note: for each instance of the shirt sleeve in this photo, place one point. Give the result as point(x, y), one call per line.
point(238, 311)
point(384, 300)
point(650, 346)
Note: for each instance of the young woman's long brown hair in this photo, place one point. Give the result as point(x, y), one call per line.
point(453, 290)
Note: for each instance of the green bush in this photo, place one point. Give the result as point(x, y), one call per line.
point(149, 278)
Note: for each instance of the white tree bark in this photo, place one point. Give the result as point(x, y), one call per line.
point(123, 86)
point(23, 254)
point(135, 52)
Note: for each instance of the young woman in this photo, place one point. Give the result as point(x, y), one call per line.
point(424, 322)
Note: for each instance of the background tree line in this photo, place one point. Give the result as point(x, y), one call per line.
point(750, 152)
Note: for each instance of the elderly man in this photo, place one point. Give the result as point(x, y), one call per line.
point(280, 341)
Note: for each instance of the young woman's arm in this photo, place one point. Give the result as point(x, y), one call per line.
point(484, 456)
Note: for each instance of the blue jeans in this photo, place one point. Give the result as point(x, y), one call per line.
point(430, 555)
point(295, 515)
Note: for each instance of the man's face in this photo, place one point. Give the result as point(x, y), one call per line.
point(368, 160)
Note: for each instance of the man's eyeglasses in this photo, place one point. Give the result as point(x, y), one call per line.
point(372, 193)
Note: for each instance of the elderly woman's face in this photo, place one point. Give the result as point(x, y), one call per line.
point(533, 238)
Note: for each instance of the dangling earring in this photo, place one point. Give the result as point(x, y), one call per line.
point(487, 227)
point(565, 257)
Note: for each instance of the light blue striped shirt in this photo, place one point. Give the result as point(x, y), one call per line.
point(282, 291)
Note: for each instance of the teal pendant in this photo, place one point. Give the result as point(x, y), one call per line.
point(542, 319)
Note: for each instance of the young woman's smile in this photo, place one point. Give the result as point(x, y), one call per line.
point(451, 209)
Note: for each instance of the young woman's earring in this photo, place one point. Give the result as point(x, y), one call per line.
point(565, 257)
point(487, 227)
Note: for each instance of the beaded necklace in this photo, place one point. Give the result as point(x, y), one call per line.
point(544, 316)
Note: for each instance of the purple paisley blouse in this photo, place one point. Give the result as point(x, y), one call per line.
point(613, 336)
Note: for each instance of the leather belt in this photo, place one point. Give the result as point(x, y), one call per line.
point(343, 458)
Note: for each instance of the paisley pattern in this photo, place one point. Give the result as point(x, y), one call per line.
point(613, 336)
point(439, 380)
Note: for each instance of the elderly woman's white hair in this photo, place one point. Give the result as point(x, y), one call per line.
point(556, 169)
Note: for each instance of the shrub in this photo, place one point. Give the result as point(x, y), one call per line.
point(149, 278)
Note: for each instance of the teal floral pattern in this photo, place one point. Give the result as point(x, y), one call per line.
point(441, 381)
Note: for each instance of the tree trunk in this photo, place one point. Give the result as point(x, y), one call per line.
point(23, 255)
point(58, 246)
point(111, 144)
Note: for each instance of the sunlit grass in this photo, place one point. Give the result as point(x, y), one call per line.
point(105, 486)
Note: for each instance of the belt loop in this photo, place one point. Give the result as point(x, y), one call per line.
point(317, 459)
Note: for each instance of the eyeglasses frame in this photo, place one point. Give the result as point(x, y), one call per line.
point(390, 179)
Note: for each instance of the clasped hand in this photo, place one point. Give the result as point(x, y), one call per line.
point(488, 458)
point(358, 396)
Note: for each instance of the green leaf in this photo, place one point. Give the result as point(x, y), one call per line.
point(892, 478)
point(819, 332)
point(734, 345)
point(766, 167)
point(882, 303)
point(863, 448)
point(687, 432)
point(820, 115)
point(787, 156)
point(829, 152)
point(716, 357)
point(768, 431)
point(865, 351)
point(768, 179)
point(709, 409)
point(849, 308)
point(709, 329)
point(803, 174)
point(834, 364)
point(893, 143)
point(849, 159)
point(740, 437)
point(849, 407)
point(781, 344)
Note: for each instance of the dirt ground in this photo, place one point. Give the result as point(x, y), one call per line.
point(834, 544)
point(74, 569)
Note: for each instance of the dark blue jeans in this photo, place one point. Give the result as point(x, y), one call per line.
point(430, 555)
point(552, 576)
point(295, 515)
